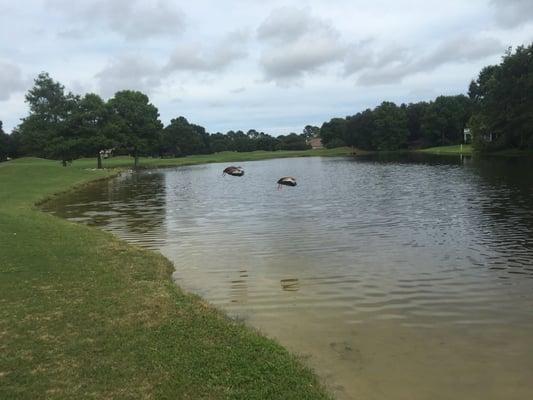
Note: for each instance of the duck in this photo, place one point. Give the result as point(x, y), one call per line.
point(286, 181)
point(233, 171)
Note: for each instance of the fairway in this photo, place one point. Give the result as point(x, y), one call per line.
point(456, 149)
point(85, 315)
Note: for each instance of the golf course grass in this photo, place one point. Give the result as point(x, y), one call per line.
point(84, 315)
point(455, 149)
point(226, 156)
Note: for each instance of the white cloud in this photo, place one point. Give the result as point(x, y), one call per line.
point(288, 23)
point(128, 72)
point(392, 66)
point(510, 13)
point(299, 65)
point(196, 57)
point(132, 19)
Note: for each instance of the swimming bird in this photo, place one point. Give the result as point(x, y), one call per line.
point(286, 181)
point(233, 171)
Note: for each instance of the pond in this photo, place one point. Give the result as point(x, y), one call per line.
point(400, 277)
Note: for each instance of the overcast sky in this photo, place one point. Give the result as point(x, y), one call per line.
point(273, 66)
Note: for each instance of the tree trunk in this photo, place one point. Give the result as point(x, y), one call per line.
point(99, 166)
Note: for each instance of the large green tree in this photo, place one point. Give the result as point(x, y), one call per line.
point(133, 123)
point(50, 108)
point(181, 138)
point(86, 125)
point(503, 102)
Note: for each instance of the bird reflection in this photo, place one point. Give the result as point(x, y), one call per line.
point(290, 284)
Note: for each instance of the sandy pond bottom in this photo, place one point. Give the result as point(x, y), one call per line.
point(395, 279)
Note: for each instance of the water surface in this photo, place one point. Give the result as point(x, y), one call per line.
point(404, 278)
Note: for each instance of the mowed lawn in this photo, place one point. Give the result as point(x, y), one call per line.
point(455, 149)
point(85, 315)
point(226, 156)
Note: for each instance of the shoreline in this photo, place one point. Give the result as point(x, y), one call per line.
point(98, 295)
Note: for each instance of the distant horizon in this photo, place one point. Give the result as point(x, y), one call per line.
point(270, 66)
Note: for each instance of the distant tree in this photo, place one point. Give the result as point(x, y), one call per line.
point(266, 142)
point(241, 142)
point(390, 131)
point(311, 131)
point(180, 138)
point(415, 113)
point(293, 141)
point(219, 142)
point(359, 130)
point(335, 129)
point(444, 120)
point(4, 143)
point(133, 123)
point(252, 134)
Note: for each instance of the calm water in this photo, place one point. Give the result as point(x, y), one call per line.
point(395, 278)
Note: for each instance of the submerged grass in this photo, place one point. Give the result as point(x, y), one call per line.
point(85, 315)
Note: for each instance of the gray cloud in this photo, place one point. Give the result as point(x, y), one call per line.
point(510, 13)
point(393, 65)
point(294, 43)
point(131, 71)
point(11, 80)
point(287, 23)
point(128, 72)
point(195, 58)
point(132, 19)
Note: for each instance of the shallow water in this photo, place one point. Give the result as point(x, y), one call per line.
point(403, 278)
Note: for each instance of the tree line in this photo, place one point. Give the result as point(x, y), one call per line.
point(498, 111)
point(392, 127)
point(66, 126)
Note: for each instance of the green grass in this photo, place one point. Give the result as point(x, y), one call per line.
point(469, 150)
point(227, 156)
point(85, 315)
point(456, 149)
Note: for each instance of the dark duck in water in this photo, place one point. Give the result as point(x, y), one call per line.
point(286, 181)
point(233, 171)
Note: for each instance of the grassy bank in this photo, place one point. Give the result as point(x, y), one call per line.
point(227, 156)
point(468, 149)
point(85, 315)
point(465, 149)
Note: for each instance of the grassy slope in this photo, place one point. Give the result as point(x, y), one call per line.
point(85, 315)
